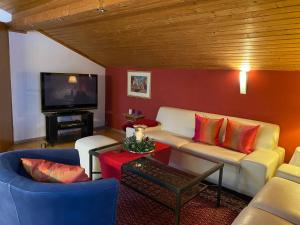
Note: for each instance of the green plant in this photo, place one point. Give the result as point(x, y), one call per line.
point(144, 146)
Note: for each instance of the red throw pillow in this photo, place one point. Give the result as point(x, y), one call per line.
point(51, 172)
point(207, 130)
point(240, 137)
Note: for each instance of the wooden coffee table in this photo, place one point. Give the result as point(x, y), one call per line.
point(167, 185)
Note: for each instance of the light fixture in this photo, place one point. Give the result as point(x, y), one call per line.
point(72, 79)
point(101, 8)
point(5, 17)
point(245, 68)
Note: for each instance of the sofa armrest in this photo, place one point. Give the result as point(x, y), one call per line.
point(264, 161)
point(257, 168)
point(90, 203)
point(149, 129)
point(65, 156)
point(289, 172)
point(281, 153)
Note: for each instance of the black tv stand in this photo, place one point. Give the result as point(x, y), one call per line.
point(54, 125)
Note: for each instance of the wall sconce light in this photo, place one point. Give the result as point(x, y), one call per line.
point(243, 82)
point(72, 79)
point(243, 78)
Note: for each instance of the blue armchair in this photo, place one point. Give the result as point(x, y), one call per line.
point(24, 201)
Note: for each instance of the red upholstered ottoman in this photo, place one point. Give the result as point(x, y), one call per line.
point(111, 162)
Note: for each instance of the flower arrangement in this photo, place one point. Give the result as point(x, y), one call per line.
point(146, 145)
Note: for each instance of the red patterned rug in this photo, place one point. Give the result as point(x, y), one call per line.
point(135, 209)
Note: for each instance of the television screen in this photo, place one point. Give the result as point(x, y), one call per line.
point(68, 91)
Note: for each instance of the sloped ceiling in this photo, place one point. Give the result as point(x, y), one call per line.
point(205, 34)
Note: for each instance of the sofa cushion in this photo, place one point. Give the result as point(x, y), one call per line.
point(168, 138)
point(240, 137)
point(182, 121)
point(214, 152)
point(251, 215)
point(280, 197)
point(207, 130)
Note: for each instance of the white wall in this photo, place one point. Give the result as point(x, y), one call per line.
point(31, 54)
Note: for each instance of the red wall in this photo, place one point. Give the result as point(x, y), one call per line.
point(272, 96)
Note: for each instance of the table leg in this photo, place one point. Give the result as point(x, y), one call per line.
point(91, 166)
point(219, 187)
point(177, 209)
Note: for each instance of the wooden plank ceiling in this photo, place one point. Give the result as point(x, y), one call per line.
point(206, 34)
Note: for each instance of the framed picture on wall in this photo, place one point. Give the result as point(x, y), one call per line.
point(139, 84)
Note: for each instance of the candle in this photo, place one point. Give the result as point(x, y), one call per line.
point(139, 135)
point(139, 132)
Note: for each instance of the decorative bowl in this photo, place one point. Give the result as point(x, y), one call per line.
point(146, 145)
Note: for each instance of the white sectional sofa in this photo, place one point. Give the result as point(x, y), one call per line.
point(246, 174)
point(276, 204)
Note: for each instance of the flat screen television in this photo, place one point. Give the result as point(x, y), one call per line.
point(68, 92)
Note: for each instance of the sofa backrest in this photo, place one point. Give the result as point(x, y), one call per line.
point(182, 123)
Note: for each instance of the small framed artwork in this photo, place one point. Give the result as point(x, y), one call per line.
point(139, 84)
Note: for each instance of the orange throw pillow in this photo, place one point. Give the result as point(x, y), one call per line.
point(207, 130)
point(50, 172)
point(240, 137)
